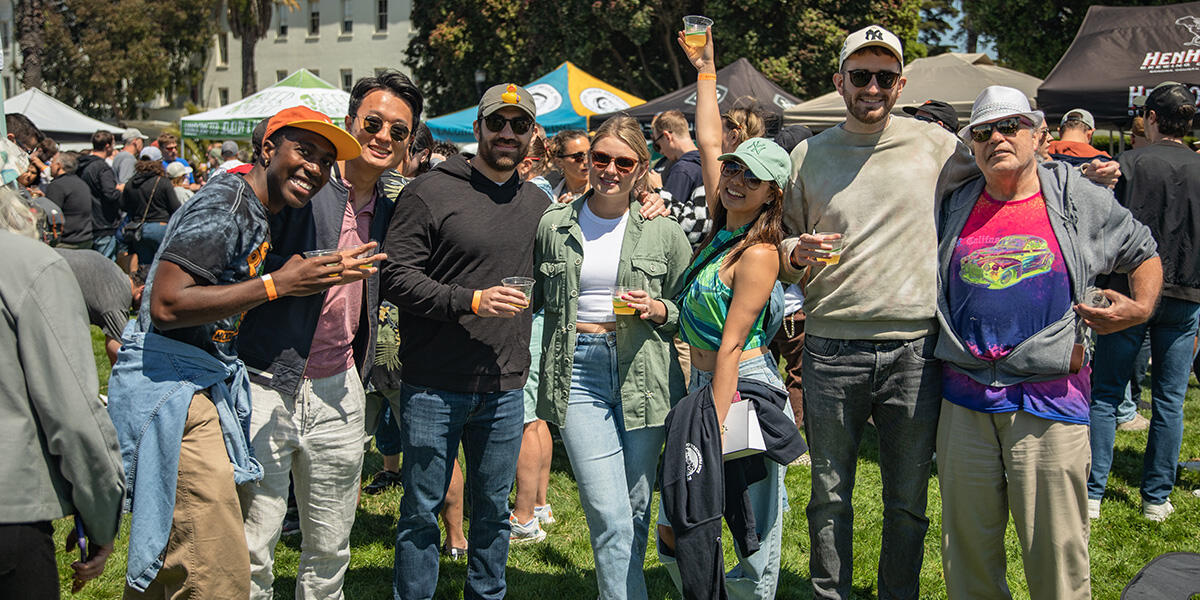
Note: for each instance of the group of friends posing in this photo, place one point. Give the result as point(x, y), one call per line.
point(245, 366)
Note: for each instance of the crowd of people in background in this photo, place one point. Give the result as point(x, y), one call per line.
point(979, 294)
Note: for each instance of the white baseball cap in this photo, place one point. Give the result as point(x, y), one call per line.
point(1081, 115)
point(997, 102)
point(176, 169)
point(871, 35)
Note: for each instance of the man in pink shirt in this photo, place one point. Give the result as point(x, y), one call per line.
point(308, 358)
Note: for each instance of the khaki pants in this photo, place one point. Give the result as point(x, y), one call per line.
point(991, 464)
point(206, 555)
point(685, 359)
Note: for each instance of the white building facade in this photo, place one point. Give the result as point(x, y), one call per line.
point(340, 41)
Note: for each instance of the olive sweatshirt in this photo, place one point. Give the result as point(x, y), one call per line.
point(881, 191)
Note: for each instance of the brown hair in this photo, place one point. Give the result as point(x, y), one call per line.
point(672, 121)
point(767, 227)
point(629, 131)
point(166, 138)
point(537, 149)
point(556, 144)
point(748, 123)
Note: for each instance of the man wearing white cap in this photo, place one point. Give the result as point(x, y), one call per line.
point(1018, 250)
point(871, 326)
point(124, 161)
point(1074, 143)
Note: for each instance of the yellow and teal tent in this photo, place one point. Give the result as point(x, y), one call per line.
point(565, 98)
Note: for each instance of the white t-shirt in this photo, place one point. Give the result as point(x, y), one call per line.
point(598, 275)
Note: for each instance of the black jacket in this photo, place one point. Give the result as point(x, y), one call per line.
point(696, 493)
point(275, 337)
point(146, 187)
point(71, 195)
point(1160, 185)
point(456, 231)
point(106, 198)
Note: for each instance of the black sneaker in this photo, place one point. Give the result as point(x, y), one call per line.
point(291, 522)
point(383, 480)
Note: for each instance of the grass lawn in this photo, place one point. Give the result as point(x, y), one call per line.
point(1122, 541)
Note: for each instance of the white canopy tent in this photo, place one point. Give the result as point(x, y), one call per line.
point(953, 77)
point(70, 128)
point(237, 120)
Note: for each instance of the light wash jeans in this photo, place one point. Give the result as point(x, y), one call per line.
point(755, 577)
point(614, 468)
point(316, 436)
point(898, 384)
point(1172, 332)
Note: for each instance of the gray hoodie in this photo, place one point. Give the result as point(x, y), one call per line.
point(1096, 236)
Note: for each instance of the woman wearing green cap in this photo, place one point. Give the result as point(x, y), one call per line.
point(723, 312)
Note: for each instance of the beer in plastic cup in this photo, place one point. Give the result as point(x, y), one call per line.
point(521, 284)
point(694, 33)
point(834, 255)
point(620, 305)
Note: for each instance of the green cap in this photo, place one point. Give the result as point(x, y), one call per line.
point(507, 94)
point(765, 159)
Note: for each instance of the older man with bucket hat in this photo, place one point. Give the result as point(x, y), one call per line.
point(1018, 251)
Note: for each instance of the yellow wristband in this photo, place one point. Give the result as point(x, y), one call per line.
point(270, 285)
point(706, 77)
point(475, 301)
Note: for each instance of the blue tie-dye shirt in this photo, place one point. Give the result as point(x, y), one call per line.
point(1007, 281)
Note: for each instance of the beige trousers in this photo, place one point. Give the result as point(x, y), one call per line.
point(206, 555)
point(992, 464)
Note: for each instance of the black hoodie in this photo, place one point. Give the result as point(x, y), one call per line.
point(455, 231)
point(106, 198)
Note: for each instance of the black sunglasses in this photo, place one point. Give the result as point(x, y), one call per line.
point(731, 169)
point(520, 125)
point(625, 165)
point(373, 123)
point(862, 78)
point(575, 156)
point(1007, 127)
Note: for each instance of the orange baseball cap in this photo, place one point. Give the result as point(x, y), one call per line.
point(303, 117)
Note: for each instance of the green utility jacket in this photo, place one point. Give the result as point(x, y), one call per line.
point(654, 254)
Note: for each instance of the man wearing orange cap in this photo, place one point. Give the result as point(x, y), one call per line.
point(178, 396)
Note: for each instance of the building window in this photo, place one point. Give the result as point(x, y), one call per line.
point(7, 87)
point(347, 16)
point(223, 96)
point(314, 17)
point(4, 35)
point(347, 80)
point(283, 23)
point(222, 49)
point(381, 17)
point(280, 75)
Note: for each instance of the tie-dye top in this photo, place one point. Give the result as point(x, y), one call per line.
point(1007, 281)
point(705, 306)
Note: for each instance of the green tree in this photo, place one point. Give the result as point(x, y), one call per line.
point(631, 43)
point(1034, 41)
point(108, 56)
point(249, 21)
point(937, 25)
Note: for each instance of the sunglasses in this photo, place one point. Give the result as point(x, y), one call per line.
point(625, 165)
point(862, 78)
point(1007, 127)
point(731, 169)
point(496, 123)
point(576, 156)
point(373, 123)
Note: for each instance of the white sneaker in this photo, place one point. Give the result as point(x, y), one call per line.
point(1093, 508)
point(1157, 512)
point(525, 533)
point(544, 514)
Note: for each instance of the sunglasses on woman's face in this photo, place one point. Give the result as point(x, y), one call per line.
point(731, 169)
point(625, 165)
point(373, 123)
point(574, 156)
point(862, 78)
point(1007, 127)
point(520, 125)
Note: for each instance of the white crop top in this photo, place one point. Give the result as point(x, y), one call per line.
point(598, 274)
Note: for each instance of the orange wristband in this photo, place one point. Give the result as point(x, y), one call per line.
point(269, 283)
point(475, 301)
point(706, 77)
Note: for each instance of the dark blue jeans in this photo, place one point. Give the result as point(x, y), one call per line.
point(899, 385)
point(433, 422)
point(147, 247)
point(1172, 332)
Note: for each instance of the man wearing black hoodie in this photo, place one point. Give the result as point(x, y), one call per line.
point(456, 232)
point(106, 193)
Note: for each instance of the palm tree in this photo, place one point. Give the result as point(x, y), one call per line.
point(249, 20)
point(30, 39)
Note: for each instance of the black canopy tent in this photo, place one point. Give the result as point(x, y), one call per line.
point(1121, 53)
point(737, 83)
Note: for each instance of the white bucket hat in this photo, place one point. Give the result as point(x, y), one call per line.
point(998, 102)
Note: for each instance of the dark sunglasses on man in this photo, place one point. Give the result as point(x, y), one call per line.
point(520, 125)
point(373, 123)
point(1007, 127)
point(862, 78)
